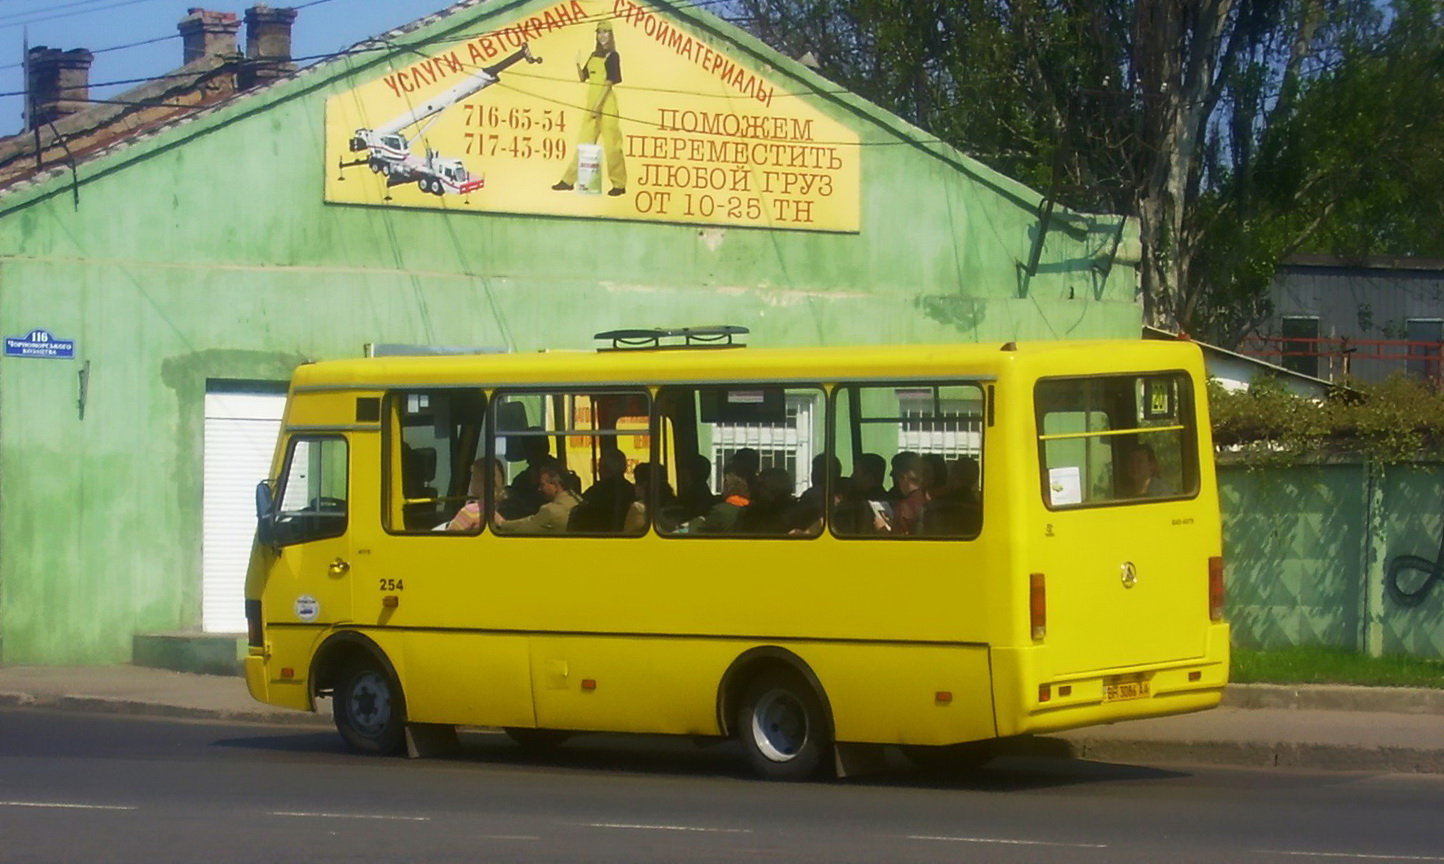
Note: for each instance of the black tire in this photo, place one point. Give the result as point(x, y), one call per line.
point(369, 709)
point(951, 758)
point(537, 740)
point(783, 729)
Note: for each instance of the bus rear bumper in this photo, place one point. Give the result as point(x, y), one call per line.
point(1032, 701)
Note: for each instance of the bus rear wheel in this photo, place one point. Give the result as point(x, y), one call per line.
point(369, 710)
point(782, 728)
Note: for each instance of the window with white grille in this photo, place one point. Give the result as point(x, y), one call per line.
point(935, 420)
point(787, 444)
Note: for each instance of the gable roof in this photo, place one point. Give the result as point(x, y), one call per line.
point(413, 38)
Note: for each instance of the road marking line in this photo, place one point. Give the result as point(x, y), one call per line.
point(1002, 841)
point(627, 826)
point(509, 837)
point(59, 806)
point(381, 817)
point(1357, 856)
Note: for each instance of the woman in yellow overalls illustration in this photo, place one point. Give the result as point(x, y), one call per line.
point(601, 72)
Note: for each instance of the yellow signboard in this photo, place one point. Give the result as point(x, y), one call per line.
point(592, 109)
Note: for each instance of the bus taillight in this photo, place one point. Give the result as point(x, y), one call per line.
point(253, 624)
point(1215, 588)
point(1037, 605)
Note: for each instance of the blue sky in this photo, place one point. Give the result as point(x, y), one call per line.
point(321, 27)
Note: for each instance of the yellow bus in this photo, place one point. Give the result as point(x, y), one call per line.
point(1045, 555)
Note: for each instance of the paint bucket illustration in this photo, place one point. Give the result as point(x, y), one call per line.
point(589, 169)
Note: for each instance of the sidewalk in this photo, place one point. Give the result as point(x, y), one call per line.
point(1324, 728)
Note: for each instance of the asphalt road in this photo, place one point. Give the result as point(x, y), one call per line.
point(98, 788)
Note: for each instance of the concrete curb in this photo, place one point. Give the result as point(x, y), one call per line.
point(1336, 697)
point(143, 708)
point(1318, 757)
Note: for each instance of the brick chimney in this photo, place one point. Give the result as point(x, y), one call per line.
point(268, 45)
point(208, 34)
point(59, 83)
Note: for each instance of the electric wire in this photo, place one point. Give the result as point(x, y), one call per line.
point(45, 16)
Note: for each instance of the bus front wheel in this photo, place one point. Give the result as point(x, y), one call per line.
point(782, 727)
point(369, 710)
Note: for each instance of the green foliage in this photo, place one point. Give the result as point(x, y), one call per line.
point(1333, 666)
point(1289, 126)
point(1387, 422)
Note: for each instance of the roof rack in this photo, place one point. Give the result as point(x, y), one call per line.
point(635, 339)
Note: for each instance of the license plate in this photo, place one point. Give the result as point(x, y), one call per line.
point(1124, 690)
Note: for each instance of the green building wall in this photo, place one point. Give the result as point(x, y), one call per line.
point(204, 252)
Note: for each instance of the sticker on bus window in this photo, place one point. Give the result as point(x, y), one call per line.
point(1065, 486)
point(1157, 398)
point(745, 397)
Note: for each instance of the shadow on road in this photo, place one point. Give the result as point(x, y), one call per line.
point(1036, 765)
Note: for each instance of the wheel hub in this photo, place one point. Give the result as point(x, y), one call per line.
point(779, 726)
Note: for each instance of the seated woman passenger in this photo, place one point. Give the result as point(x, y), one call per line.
point(468, 519)
point(637, 516)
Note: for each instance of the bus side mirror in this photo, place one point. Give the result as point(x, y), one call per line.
point(265, 517)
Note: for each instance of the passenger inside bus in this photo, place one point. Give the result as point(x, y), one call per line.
point(771, 510)
point(695, 497)
point(956, 510)
point(604, 506)
point(637, 516)
point(935, 475)
point(907, 511)
point(552, 516)
point(1142, 475)
point(812, 503)
point(522, 497)
point(867, 478)
point(901, 463)
point(745, 463)
point(864, 509)
point(723, 515)
point(468, 519)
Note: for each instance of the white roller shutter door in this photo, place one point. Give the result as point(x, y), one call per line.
point(240, 436)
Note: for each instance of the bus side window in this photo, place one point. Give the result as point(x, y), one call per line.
point(314, 491)
point(911, 459)
point(433, 439)
point(745, 454)
point(591, 442)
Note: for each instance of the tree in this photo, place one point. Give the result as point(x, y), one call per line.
point(1236, 131)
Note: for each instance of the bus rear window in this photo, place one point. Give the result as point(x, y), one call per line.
point(1116, 439)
